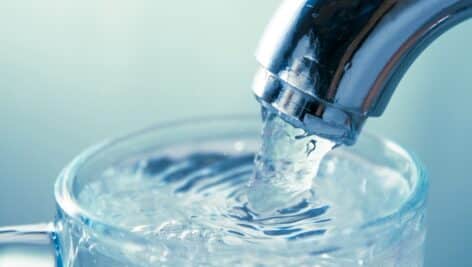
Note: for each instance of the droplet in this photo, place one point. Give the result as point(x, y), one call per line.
point(310, 147)
point(347, 66)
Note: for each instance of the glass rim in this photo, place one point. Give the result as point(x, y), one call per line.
point(67, 202)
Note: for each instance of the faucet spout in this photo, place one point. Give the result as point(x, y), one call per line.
point(328, 65)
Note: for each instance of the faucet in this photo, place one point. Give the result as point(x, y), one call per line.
point(328, 65)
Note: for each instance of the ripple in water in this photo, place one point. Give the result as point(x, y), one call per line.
point(219, 199)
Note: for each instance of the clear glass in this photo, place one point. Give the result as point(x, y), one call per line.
point(83, 237)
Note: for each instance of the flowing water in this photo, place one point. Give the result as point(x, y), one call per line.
point(285, 166)
point(219, 209)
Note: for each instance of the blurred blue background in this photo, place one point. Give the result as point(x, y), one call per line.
point(75, 72)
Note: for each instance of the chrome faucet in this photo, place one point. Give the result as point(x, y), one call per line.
point(328, 65)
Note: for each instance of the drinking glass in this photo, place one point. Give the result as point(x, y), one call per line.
point(78, 236)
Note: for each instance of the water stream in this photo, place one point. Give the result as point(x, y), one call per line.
point(285, 166)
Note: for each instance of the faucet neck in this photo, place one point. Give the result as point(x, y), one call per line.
point(328, 65)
